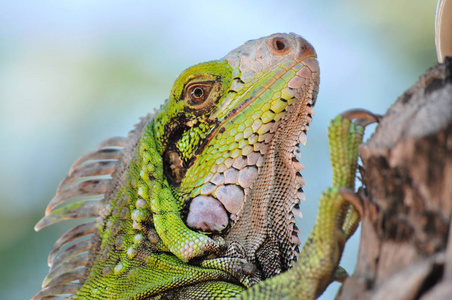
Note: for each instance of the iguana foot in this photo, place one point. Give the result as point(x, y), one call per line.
point(345, 134)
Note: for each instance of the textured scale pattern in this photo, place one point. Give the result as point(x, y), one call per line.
point(235, 155)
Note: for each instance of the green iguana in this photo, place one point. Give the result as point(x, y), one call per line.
point(199, 200)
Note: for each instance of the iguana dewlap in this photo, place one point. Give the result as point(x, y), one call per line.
point(213, 175)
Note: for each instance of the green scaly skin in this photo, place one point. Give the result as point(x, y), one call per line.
point(145, 250)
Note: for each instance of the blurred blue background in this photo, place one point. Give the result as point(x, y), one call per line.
point(73, 73)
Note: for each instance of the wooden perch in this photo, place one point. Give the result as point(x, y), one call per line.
point(406, 238)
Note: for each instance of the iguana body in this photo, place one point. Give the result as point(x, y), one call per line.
point(202, 196)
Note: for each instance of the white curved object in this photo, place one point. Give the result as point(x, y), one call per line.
point(443, 29)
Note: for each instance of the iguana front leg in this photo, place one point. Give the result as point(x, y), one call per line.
point(337, 220)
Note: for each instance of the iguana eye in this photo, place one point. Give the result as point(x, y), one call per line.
point(199, 92)
point(197, 95)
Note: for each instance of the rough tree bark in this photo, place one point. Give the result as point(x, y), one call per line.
point(406, 238)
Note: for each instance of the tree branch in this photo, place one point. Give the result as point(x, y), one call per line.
point(406, 238)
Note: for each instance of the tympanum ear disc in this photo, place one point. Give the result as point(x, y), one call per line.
point(172, 166)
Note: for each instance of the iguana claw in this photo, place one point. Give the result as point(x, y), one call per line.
point(361, 117)
point(340, 274)
point(352, 198)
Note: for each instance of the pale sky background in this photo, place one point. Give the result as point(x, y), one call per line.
point(73, 73)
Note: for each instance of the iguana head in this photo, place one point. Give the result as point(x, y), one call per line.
point(229, 136)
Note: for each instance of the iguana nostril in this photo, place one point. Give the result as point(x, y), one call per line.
point(279, 44)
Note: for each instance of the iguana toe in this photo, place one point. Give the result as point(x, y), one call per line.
point(362, 117)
